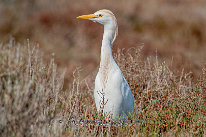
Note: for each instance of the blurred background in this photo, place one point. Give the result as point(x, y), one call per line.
point(174, 30)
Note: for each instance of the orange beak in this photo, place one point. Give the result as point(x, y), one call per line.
point(87, 16)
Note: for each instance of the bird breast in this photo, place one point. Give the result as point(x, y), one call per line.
point(104, 70)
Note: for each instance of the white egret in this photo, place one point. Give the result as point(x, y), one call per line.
point(112, 93)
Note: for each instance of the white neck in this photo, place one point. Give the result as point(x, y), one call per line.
point(106, 49)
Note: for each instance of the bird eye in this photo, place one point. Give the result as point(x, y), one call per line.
point(100, 15)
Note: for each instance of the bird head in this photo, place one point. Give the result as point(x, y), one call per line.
point(102, 16)
point(105, 17)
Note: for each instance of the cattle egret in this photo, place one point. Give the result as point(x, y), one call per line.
point(112, 93)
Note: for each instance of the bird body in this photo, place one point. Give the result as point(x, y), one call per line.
point(112, 93)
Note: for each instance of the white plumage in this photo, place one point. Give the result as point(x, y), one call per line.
point(112, 93)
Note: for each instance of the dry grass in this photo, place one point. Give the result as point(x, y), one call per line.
point(34, 104)
point(167, 101)
point(29, 91)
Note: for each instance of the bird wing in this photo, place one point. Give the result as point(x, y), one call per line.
point(128, 99)
point(124, 90)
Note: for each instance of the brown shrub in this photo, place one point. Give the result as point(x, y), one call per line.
point(29, 91)
point(34, 104)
